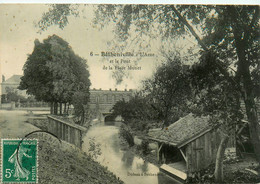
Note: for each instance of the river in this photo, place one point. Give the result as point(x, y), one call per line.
point(129, 168)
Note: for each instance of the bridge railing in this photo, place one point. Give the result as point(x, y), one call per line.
point(71, 133)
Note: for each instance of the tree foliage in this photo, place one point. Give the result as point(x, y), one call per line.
point(169, 89)
point(54, 73)
point(163, 98)
point(136, 108)
point(57, 14)
point(214, 96)
point(12, 96)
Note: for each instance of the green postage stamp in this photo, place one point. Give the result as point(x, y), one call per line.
point(19, 165)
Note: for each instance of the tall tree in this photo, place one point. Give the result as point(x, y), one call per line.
point(54, 73)
point(169, 89)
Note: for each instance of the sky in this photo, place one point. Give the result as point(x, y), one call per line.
point(18, 32)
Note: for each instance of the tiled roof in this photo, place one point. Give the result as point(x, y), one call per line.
point(181, 131)
point(14, 79)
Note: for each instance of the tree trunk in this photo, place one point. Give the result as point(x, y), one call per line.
point(219, 159)
point(253, 124)
point(60, 108)
point(248, 95)
point(82, 118)
point(51, 109)
point(65, 108)
point(55, 108)
point(68, 109)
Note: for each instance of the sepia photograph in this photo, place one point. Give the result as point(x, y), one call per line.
point(129, 93)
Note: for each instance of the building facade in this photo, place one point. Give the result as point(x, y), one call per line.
point(104, 100)
point(11, 84)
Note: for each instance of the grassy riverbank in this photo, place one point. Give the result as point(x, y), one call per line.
point(65, 163)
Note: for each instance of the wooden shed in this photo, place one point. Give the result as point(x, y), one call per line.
point(188, 145)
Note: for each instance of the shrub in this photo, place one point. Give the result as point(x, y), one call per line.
point(145, 147)
point(126, 134)
point(94, 149)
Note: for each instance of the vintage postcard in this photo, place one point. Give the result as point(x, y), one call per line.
point(129, 93)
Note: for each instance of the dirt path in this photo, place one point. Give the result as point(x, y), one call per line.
point(13, 125)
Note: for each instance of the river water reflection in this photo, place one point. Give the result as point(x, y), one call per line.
point(126, 166)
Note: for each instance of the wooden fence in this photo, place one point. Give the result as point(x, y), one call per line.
point(71, 133)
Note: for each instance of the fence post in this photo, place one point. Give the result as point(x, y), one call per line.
point(71, 133)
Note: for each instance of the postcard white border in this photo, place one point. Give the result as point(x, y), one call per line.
point(223, 2)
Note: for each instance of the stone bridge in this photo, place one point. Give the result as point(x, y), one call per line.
point(102, 101)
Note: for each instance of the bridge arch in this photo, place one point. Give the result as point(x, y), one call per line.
point(109, 117)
